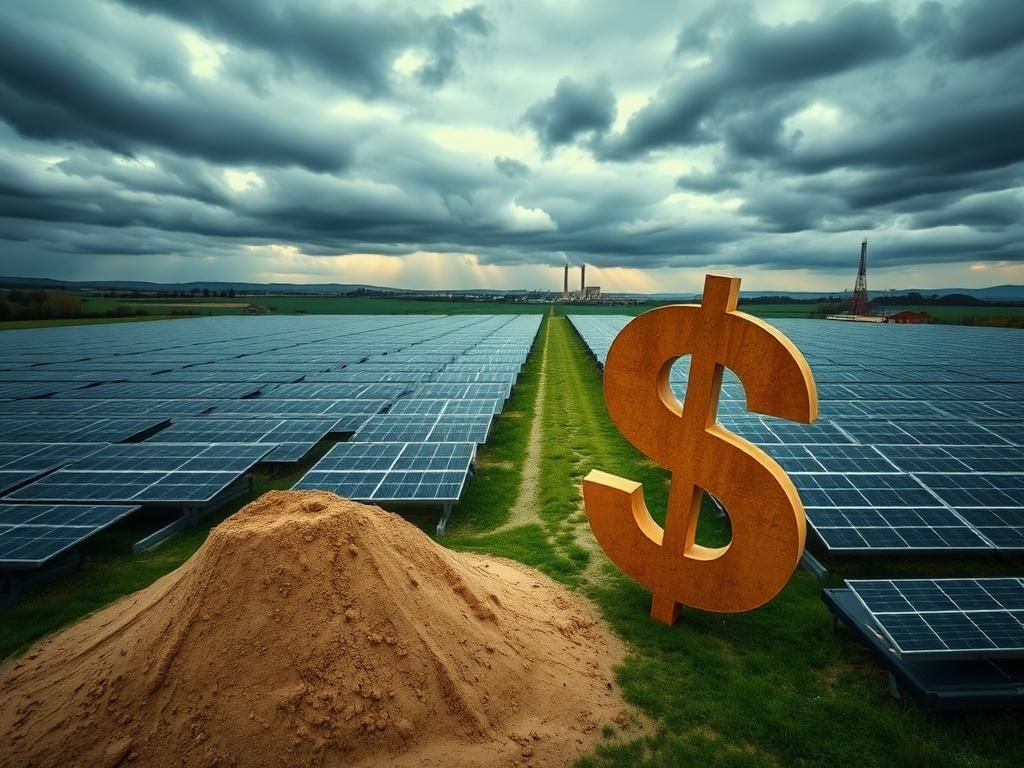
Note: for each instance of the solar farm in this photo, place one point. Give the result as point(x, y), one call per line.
point(175, 415)
point(479, 430)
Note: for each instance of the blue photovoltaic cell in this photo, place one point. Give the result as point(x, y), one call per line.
point(294, 438)
point(82, 429)
point(33, 534)
point(406, 428)
point(150, 473)
point(947, 617)
point(433, 472)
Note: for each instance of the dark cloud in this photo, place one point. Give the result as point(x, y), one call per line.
point(353, 46)
point(449, 35)
point(511, 167)
point(990, 212)
point(125, 142)
point(965, 137)
point(754, 59)
point(52, 92)
point(575, 109)
point(973, 29)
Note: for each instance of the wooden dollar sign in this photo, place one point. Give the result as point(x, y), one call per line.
point(768, 527)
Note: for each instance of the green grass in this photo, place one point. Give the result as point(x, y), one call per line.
point(773, 687)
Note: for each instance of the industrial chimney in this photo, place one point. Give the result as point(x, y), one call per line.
point(583, 279)
point(565, 282)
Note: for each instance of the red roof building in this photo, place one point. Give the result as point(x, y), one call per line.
point(910, 317)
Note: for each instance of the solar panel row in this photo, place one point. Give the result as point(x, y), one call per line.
point(271, 388)
point(947, 617)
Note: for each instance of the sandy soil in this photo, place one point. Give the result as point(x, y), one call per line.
point(310, 630)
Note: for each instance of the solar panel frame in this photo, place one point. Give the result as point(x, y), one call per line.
point(393, 472)
point(33, 535)
point(946, 618)
point(155, 473)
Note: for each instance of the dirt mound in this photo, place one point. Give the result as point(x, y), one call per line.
point(310, 630)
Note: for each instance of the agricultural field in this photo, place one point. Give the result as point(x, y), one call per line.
point(98, 309)
point(777, 686)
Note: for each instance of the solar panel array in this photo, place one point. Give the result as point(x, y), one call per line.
point(393, 471)
point(175, 413)
point(919, 444)
point(155, 473)
point(31, 535)
point(947, 618)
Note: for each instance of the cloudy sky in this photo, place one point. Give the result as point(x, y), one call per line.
point(445, 144)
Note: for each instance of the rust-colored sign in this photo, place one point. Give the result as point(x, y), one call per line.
point(768, 527)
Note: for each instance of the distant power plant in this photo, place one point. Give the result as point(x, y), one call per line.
point(585, 293)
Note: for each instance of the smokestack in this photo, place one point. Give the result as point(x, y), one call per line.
point(565, 280)
point(583, 279)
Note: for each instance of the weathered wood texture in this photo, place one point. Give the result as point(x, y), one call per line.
point(768, 527)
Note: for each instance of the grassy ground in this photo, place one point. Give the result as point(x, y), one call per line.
point(774, 687)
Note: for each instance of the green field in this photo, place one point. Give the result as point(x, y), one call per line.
point(155, 309)
point(773, 687)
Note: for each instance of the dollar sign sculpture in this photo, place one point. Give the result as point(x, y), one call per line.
point(768, 527)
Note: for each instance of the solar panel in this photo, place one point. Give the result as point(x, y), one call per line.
point(360, 375)
point(487, 390)
point(977, 490)
point(32, 535)
point(394, 472)
point(863, 490)
point(21, 462)
point(63, 407)
point(894, 529)
point(1003, 527)
point(15, 390)
point(82, 429)
point(296, 408)
point(147, 473)
point(406, 428)
point(436, 406)
point(172, 390)
point(820, 432)
point(294, 438)
point(947, 617)
point(326, 390)
point(827, 458)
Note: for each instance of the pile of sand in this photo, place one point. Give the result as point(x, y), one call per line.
point(310, 630)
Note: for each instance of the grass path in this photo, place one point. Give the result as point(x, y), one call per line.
point(524, 510)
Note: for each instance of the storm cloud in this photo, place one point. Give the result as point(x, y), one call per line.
point(574, 109)
point(152, 139)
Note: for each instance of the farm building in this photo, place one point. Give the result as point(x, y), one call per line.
point(910, 317)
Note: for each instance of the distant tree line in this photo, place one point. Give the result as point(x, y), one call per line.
point(37, 304)
point(787, 300)
point(932, 300)
point(194, 293)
